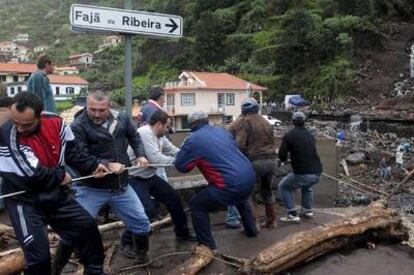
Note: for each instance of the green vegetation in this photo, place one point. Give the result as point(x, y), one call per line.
point(307, 46)
point(63, 105)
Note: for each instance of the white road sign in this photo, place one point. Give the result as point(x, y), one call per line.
point(103, 19)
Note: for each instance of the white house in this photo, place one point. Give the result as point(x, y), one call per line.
point(67, 70)
point(21, 38)
point(64, 87)
point(218, 94)
point(40, 48)
point(81, 60)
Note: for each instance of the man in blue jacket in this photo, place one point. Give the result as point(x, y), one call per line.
point(230, 175)
point(38, 83)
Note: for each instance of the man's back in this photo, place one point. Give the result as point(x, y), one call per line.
point(215, 153)
point(302, 148)
point(254, 136)
point(38, 84)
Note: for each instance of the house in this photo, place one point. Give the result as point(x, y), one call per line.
point(64, 87)
point(22, 53)
point(81, 60)
point(110, 41)
point(218, 94)
point(40, 48)
point(21, 38)
point(7, 47)
point(67, 70)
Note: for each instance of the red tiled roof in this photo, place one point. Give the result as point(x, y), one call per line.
point(79, 55)
point(67, 79)
point(218, 81)
point(17, 68)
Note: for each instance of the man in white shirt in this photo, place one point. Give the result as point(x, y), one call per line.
point(146, 182)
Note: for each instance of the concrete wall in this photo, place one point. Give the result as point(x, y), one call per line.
point(325, 192)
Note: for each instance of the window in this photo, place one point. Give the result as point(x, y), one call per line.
point(187, 99)
point(57, 90)
point(12, 90)
point(70, 90)
point(230, 99)
point(171, 103)
point(15, 78)
point(19, 89)
point(2, 78)
point(220, 100)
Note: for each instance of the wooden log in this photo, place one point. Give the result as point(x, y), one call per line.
point(201, 258)
point(12, 261)
point(376, 222)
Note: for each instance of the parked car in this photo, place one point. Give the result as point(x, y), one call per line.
point(272, 121)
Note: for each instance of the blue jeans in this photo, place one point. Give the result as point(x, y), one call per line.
point(291, 183)
point(203, 203)
point(163, 192)
point(125, 204)
point(233, 216)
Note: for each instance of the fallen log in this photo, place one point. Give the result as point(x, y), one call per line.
point(201, 258)
point(374, 223)
point(12, 261)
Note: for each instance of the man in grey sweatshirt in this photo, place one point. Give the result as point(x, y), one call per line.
point(146, 183)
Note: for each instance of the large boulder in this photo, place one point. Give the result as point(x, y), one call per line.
point(356, 158)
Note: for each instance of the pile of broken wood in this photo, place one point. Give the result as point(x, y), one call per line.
point(376, 223)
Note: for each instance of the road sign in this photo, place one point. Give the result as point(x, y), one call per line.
point(103, 19)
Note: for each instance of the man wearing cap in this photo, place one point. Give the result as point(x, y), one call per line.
point(230, 175)
point(254, 136)
point(306, 166)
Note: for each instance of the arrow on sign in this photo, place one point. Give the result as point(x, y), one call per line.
point(173, 26)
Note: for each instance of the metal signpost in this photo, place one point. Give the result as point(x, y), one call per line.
point(104, 20)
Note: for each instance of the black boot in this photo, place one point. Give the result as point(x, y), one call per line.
point(62, 256)
point(141, 246)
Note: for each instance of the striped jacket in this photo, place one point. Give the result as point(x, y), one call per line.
point(35, 163)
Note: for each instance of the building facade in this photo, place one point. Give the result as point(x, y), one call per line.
point(218, 94)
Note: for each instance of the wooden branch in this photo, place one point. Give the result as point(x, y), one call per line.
point(201, 258)
point(374, 222)
point(12, 261)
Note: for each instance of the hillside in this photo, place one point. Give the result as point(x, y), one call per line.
point(316, 47)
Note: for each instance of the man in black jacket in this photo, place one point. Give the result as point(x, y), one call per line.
point(105, 134)
point(34, 148)
point(306, 165)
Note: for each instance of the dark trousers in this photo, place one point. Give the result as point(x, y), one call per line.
point(164, 193)
point(264, 169)
point(69, 220)
point(203, 203)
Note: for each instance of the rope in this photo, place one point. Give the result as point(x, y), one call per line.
point(91, 176)
point(175, 254)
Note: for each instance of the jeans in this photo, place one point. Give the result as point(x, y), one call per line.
point(163, 192)
point(125, 204)
point(233, 216)
point(69, 220)
point(264, 169)
point(203, 203)
point(291, 183)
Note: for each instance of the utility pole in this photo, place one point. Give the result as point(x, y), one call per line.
point(128, 65)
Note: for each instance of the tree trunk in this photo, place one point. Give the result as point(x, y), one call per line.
point(374, 223)
point(12, 261)
point(201, 258)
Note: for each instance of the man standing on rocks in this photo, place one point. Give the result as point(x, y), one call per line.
point(38, 83)
point(306, 166)
point(230, 175)
point(254, 137)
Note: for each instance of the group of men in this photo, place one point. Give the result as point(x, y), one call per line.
point(36, 147)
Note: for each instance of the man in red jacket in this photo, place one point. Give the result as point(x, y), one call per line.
point(34, 148)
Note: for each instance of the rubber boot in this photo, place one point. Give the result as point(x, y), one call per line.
point(141, 246)
point(62, 256)
point(270, 216)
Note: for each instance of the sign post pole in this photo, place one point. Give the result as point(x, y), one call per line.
point(128, 66)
